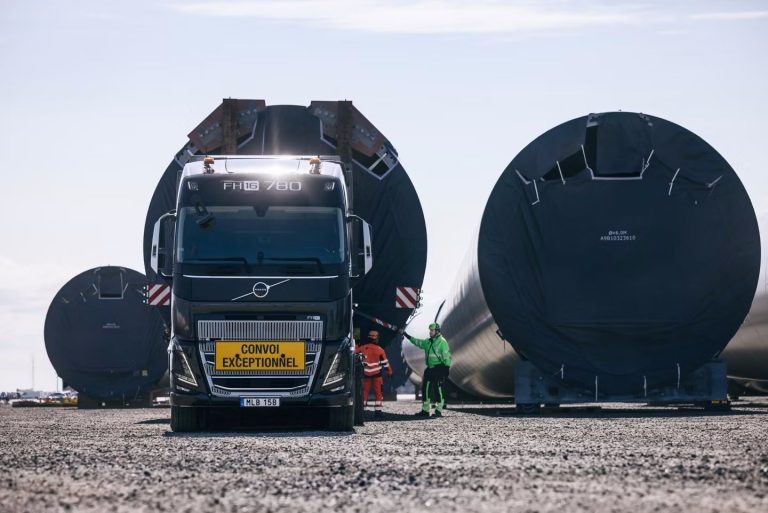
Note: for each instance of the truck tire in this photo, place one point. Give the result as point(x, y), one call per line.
point(184, 420)
point(359, 412)
point(358, 391)
point(734, 391)
point(341, 419)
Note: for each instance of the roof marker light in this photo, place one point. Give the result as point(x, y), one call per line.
point(207, 163)
point(314, 165)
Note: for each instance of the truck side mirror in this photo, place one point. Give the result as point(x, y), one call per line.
point(361, 246)
point(367, 248)
point(159, 257)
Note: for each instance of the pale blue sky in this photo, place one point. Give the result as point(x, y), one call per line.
point(98, 96)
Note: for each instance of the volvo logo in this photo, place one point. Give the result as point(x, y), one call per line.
point(260, 289)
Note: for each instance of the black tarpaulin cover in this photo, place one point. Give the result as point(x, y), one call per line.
point(619, 249)
point(383, 195)
point(101, 337)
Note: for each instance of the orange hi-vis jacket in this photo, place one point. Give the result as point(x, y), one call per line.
point(374, 360)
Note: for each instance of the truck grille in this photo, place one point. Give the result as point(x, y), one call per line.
point(264, 383)
point(260, 330)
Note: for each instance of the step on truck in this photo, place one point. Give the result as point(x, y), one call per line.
point(261, 270)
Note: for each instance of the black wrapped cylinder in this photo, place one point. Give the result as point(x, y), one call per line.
point(103, 339)
point(616, 249)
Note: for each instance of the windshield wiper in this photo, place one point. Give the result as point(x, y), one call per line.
point(206, 219)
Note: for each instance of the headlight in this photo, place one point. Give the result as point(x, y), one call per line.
point(180, 367)
point(335, 373)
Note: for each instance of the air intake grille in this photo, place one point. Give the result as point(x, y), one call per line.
point(260, 330)
point(271, 383)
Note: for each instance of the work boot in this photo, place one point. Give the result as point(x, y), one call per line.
point(422, 413)
point(437, 413)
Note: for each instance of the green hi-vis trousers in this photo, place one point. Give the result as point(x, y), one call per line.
point(432, 390)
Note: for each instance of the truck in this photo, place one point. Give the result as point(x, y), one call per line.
point(378, 189)
point(264, 257)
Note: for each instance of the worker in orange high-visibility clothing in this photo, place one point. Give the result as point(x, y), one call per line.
point(374, 364)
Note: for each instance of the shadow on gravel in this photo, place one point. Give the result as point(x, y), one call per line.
point(389, 417)
point(227, 422)
point(249, 432)
point(597, 412)
point(155, 421)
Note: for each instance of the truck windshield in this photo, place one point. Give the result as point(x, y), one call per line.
point(256, 235)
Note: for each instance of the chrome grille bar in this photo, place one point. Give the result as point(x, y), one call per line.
point(259, 330)
point(302, 380)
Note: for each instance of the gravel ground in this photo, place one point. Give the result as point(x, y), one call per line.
point(476, 458)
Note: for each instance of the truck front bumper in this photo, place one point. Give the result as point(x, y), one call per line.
point(315, 400)
point(192, 387)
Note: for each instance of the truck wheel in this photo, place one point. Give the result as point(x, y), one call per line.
point(184, 419)
point(734, 391)
point(358, 393)
point(341, 419)
point(359, 412)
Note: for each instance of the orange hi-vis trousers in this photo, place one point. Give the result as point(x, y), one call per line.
point(377, 383)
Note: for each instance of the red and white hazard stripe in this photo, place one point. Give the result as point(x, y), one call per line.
point(159, 294)
point(406, 297)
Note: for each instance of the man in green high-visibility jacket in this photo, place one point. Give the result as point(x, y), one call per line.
point(438, 358)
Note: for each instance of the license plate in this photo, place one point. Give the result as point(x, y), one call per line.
point(259, 402)
point(259, 356)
